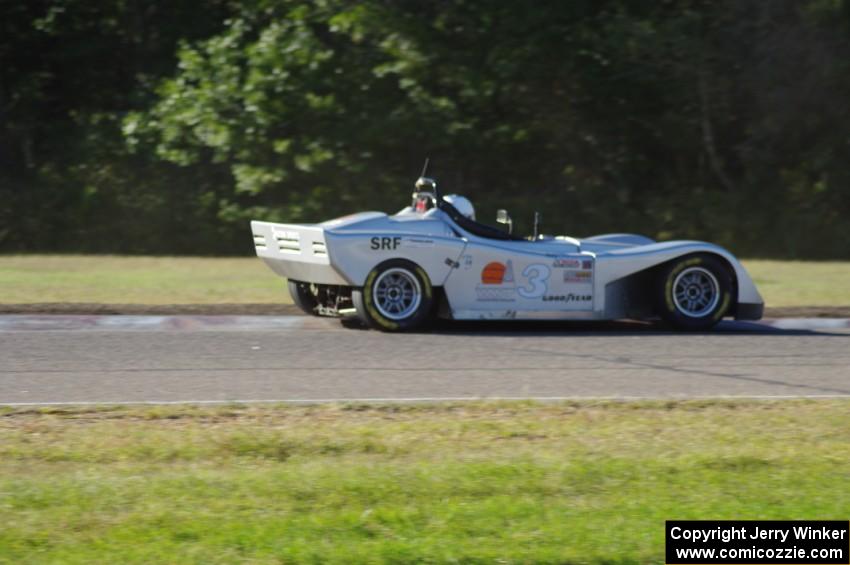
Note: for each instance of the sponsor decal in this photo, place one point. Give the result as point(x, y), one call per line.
point(418, 242)
point(383, 243)
point(467, 262)
point(566, 263)
point(567, 298)
point(587, 264)
point(585, 277)
point(497, 283)
point(283, 234)
point(495, 294)
point(494, 273)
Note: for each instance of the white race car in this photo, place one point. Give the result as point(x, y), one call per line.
point(433, 259)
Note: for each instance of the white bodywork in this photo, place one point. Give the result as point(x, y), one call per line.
point(553, 278)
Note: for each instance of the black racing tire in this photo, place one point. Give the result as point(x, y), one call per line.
point(397, 296)
point(694, 292)
point(303, 297)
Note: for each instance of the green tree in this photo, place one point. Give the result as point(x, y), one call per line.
point(70, 71)
point(136, 126)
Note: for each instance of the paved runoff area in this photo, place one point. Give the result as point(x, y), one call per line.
point(204, 359)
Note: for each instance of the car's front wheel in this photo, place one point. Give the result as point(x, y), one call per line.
point(695, 292)
point(397, 296)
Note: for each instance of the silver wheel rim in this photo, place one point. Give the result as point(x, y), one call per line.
point(397, 293)
point(696, 292)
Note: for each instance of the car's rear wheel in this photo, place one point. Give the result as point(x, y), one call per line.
point(303, 296)
point(695, 292)
point(397, 296)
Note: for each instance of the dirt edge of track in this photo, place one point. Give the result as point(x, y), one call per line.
point(85, 308)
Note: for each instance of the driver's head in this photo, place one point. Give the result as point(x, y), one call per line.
point(461, 204)
point(422, 201)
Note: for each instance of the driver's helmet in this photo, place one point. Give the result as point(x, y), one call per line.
point(461, 204)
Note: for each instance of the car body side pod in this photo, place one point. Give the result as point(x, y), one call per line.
point(619, 270)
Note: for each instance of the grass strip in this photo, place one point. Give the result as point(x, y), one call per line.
point(511, 482)
point(105, 279)
point(109, 279)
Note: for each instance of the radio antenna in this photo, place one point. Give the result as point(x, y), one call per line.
point(425, 168)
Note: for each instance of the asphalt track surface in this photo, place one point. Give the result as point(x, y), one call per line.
point(206, 359)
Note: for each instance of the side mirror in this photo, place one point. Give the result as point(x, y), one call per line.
point(502, 217)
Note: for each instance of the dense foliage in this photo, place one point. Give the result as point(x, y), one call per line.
point(161, 127)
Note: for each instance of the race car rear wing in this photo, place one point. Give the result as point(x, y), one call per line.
point(295, 251)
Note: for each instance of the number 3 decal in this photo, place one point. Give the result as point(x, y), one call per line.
point(537, 276)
